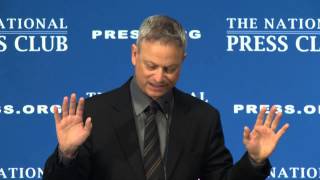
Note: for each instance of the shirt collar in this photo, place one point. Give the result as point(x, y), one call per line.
point(141, 101)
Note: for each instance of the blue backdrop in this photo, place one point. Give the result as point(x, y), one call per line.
point(237, 61)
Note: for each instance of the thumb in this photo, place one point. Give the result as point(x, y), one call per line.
point(246, 135)
point(88, 125)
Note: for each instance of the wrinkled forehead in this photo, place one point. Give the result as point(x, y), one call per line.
point(159, 53)
point(162, 41)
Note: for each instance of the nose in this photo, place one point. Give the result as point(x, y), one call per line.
point(159, 75)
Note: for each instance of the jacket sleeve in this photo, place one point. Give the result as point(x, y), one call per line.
point(79, 168)
point(218, 163)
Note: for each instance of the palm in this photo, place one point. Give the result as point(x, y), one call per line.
point(71, 131)
point(262, 140)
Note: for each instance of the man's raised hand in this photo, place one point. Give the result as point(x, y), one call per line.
point(71, 130)
point(262, 140)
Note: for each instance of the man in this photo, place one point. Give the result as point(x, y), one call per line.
point(149, 130)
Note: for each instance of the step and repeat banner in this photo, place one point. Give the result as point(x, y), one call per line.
point(241, 56)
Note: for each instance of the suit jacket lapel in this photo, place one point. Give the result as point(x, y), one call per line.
point(176, 134)
point(126, 130)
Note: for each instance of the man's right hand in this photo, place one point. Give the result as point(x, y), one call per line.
point(71, 131)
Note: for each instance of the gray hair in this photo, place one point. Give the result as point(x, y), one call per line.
point(164, 29)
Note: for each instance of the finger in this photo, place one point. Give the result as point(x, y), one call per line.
point(246, 135)
point(276, 121)
point(73, 101)
point(56, 115)
point(80, 107)
point(259, 130)
point(88, 125)
point(256, 132)
point(270, 116)
point(260, 116)
point(282, 130)
point(65, 107)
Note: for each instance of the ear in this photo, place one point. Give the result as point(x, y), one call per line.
point(184, 56)
point(134, 54)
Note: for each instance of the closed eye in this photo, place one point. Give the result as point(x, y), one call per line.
point(150, 66)
point(171, 69)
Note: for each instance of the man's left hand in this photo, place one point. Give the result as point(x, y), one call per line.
point(262, 140)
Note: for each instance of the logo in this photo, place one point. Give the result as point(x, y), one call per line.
point(124, 34)
point(294, 173)
point(21, 173)
point(273, 34)
point(33, 34)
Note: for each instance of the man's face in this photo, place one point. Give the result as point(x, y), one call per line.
point(157, 66)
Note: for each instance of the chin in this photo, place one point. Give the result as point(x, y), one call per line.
point(155, 95)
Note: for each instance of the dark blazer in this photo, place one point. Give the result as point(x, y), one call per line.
point(195, 147)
